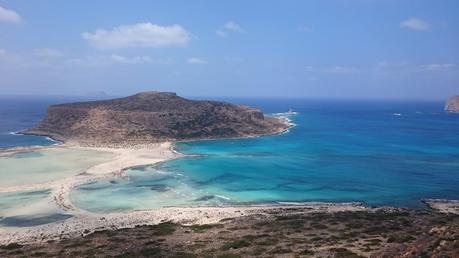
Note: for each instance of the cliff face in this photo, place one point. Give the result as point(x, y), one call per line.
point(452, 104)
point(152, 117)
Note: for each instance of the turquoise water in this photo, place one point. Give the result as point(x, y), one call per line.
point(47, 165)
point(33, 207)
point(379, 153)
point(28, 208)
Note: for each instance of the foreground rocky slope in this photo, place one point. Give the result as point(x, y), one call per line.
point(296, 232)
point(452, 104)
point(151, 117)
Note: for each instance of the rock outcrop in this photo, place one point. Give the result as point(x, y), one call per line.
point(152, 117)
point(452, 104)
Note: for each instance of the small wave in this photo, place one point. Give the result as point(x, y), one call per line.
point(52, 140)
point(397, 114)
point(56, 142)
point(223, 197)
point(286, 117)
point(287, 120)
point(157, 171)
point(289, 113)
point(292, 203)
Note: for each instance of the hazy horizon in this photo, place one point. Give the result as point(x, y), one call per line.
point(84, 97)
point(357, 49)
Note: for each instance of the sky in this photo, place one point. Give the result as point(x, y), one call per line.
point(386, 49)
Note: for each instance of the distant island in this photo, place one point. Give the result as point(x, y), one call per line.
point(153, 117)
point(452, 104)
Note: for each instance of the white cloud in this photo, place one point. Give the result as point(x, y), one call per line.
point(109, 60)
point(410, 67)
point(47, 53)
point(229, 27)
point(195, 60)
point(138, 35)
point(221, 33)
point(131, 60)
point(2, 52)
point(344, 70)
point(7, 15)
point(416, 24)
point(437, 67)
point(385, 68)
point(384, 65)
point(232, 26)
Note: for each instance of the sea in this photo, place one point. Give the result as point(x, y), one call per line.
point(375, 152)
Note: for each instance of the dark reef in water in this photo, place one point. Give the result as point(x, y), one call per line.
point(152, 117)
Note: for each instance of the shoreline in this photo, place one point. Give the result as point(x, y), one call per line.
point(84, 222)
point(124, 158)
point(87, 223)
point(127, 156)
point(59, 140)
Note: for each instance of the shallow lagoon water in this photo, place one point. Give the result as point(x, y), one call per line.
point(28, 208)
point(380, 153)
point(34, 207)
point(145, 188)
point(383, 153)
point(45, 165)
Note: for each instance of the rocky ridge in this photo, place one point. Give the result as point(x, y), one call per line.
point(152, 117)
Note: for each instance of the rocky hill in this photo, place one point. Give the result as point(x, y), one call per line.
point(452, 104)
point(151, 117)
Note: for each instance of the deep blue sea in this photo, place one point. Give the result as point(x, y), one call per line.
point(376, 152)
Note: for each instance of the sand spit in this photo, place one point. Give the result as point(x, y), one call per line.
point(126, 156)
point(84, 222)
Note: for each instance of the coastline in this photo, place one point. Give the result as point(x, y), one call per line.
point(87, 223)
point(125, 156)
point(287, 122)
point(58, 139)
point(123, 159)
point(132, 155)
point(84, 222)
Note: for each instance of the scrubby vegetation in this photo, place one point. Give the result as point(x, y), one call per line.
point(292, 233)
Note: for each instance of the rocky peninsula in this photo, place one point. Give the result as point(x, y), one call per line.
point(150, 117)
point(452, 104)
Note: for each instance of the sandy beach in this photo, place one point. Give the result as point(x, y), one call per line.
point(83, 222)
point(123, 157)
